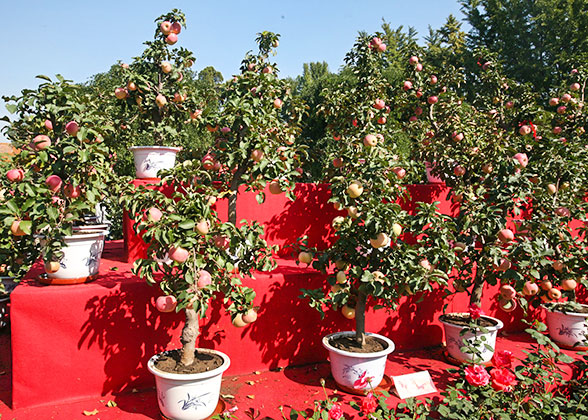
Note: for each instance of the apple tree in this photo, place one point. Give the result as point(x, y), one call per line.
point(381, 251)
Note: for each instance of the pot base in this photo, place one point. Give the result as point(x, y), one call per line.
point(220, 408)
point(384, 385)
point(64, 282)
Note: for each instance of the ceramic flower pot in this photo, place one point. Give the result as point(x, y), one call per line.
point(149, 160)
point(81, 259)
point(353, 370)
point(454, 339)
point(188, 396)
point(569, 329)
point(90, 228)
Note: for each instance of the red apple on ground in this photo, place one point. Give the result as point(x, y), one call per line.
point(178, 254)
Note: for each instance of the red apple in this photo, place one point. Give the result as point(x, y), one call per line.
point(563, 212)
point(72, 191)
point(171, 39)
point(522, 159)
point(382, 47)
point(305, 257)
point(379, 104)
point(166, 66)
point(505, 264)
point(161, 101)
point(154, 214)
point(566, 97)
point(554, 101)
point(509, 105)
point(382, 120)
point(370, 140)
point(338, 162)
point(250, 316)
point(459, 170)
point(407, 85)
point(221, 241)
point(457, 136)
point(274, 187)
point(53, 182)
point(41, 142)
point(530, 289)
point(414, 60)
point(561, 109)
point(166, 303)
point(72, 128)
point(525, 130)
point(178, 254)
point(257, 155)
point(487, 168)
point(557, 130)
point(277, 103)
point(131, 86)
point(15, 175)
point(204, 279)
point(569, 284)
point(16, 229)
point(505, 236)
point(267, 70)
point(48, 125)
point(432, 100)
point(176, 28)
point(202, 227)
point(165, 27)
point(433, 80)
point(507, 292)
point(426, 264)
point(400, 172)
point(418, 67)
point(121, 93)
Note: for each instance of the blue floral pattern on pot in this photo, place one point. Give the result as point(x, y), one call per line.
point(192, 402)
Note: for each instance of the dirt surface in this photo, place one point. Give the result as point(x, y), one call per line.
point(464, 320)
point(204, 362)
point(372, 344)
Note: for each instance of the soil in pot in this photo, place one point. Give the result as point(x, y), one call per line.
point(568, 307)
point(348, 343)
point(204, 362)
point(464, 320)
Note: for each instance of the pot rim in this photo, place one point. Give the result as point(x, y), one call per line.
point(89, 235)
point(383, 353)
point(87, 227)
point(499, 324)
point(189, 376)
point(161, 148)
point(575, 314)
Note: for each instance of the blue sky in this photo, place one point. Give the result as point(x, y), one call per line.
point(79, 38)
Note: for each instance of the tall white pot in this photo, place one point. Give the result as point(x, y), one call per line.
point(81, 259)
point(569, 329)
point(348, 367)
point(149, 160)
point(188, 396)
point(454, 340)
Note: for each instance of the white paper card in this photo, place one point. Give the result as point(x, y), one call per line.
point(414, 384)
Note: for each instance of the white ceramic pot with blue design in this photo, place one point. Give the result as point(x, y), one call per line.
point(191, 396)
point(149, 160)
point(484, 342)
point(568, 329)
point(355, 372)
point(81, 259)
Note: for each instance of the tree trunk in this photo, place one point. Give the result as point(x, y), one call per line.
point(234, 187)
point(188, 338)
point(476, 296)
point(360, 318)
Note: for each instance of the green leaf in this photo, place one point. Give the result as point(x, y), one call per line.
point(187, 224)
point(25, 226)
point(11, 108)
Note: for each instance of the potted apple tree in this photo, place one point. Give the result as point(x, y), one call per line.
point(255, 125)
point(155, 101)
point(553, 246)
point(381, 252)
point(61, 174)
point(193, 257)
point(489, 149)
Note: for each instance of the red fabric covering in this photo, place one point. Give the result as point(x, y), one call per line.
point(71, 342)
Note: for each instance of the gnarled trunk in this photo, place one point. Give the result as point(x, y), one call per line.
point(476, 296)
point(188, 338)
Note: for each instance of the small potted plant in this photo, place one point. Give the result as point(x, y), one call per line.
point(62, 172)
point(193, 257)
point(381, 251)
point(155, 100)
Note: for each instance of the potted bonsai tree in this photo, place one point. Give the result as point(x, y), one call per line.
point(550, 253)
point(193, 257)
point(488, 148)
point(155, 102)
point(62, 172)
point(381, 252)
point(255, 125)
